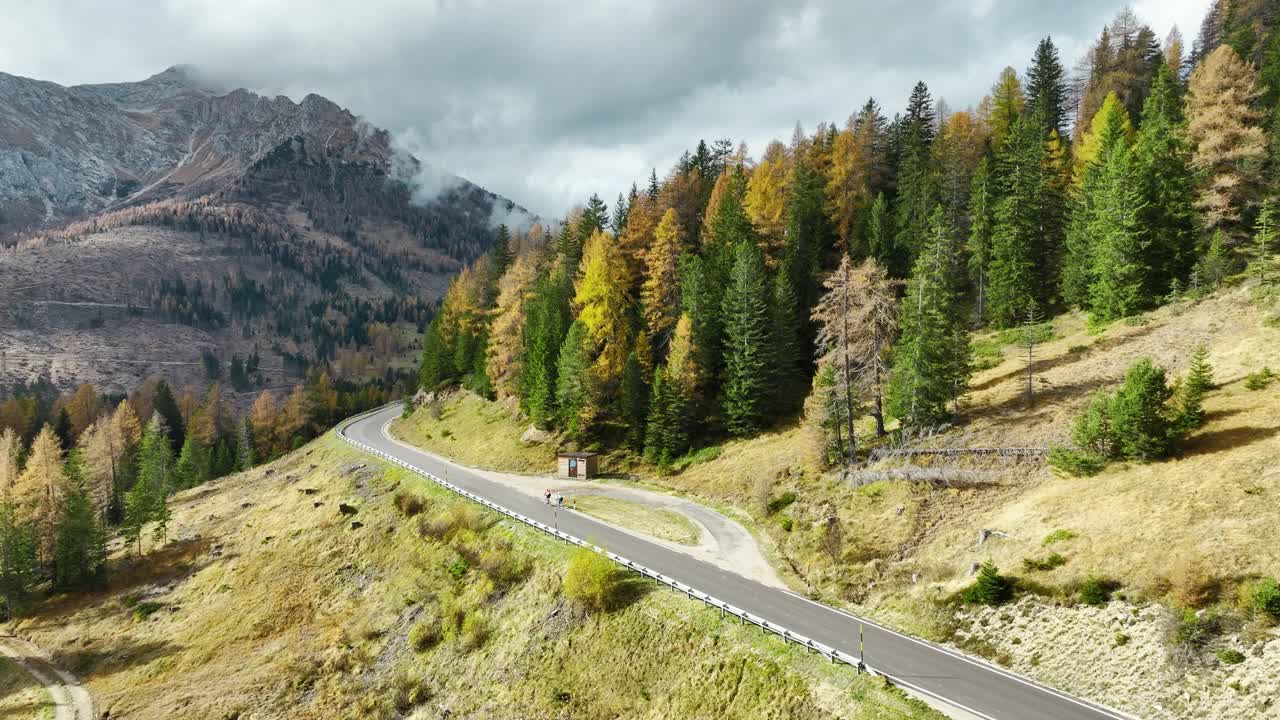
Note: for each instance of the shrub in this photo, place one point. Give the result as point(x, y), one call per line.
point(1230, 656)
point(424, 634)
point(504, 566)
point(1121, 640)
point(1194, 631)
point(475, 630)
point(1092, 432)
point(593, 581)
point(457, 569)
point(144, 610)
point(1050, 562)
point(409, 504)
point(786, 523)
point(1096, 591)
point(1192, 585)
point(1059, 535)
point(782, 502)
point(1139, 416)
point(1075, 349)
point(1265, 598)
point(1080, 463)
point(706, 454)
point(1259, 380)
point(991, 588)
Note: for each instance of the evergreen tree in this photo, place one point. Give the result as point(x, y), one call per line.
point(1192, 391)
point(1047, 88)
point(63, 429)
point(620, 210)
point(501, 254)
point(546, 323)
point(793, 366)
point(982, 204)
point(1016, 251)
point(18, 565)
point(147, 501)
point(1217, 262)
point(573, 382)
point(749, 357)
point(244, 446)
point(808, 235)
point(931, 361)
point(880, 232)
point(167, 406)
point(1109, 133)
point(667, 434)
point(1120, 286)
point(1139, 413)
point(916, 180)
point(193, 465)
point(1264, 239)
point(80, 549)
point(1165, 181)
point(634, 403)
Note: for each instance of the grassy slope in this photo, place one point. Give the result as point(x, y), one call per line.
point(266, 605)
point(907, 545)
point(477, 433)
point(21, 697)
point(660, 523)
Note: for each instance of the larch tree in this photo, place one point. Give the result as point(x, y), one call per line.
point(875, 328)
point(766, 199)
point(263, 419)
point(1007, 103)
point(604, 309)
point(506, 349)
point(931, 358)
point(10, 447)
point(848, 187)
point(1229, 147)
point(83, 408)
point(39, 490)
point(660, 292)
point(748, 350)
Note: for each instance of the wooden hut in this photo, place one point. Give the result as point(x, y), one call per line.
point(581, 465)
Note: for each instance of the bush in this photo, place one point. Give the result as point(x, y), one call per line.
point(1053, 560)
point(706, 454)
point(1079, 463)
point(593, 581)
point(1121, 640)
point(1195, 631)
point(1230, 656)
point(447, 523)
point(1075, 349)
point(144, 610)
point(424, 634)
point(504, 566)
point(1059, 535)
point(991, 588)
point(1139, 413)
point(457, 569)
point(1265, 598)
point(1259, 380)
point(1096, 591)
point(475, 630)
point(786, 523)
point(782, 502)
point(1192, 585)
point(409, 504)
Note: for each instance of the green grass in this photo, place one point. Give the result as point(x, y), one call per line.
point(658, 522)
point(476, 432)
point(20, 695)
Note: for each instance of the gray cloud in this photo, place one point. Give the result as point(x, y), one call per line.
point(548, 102)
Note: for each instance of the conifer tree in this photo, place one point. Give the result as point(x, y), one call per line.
point(931, 360)
point(244, 446)
point(1228, 143)
point(167, 406)
point(546, 323)
point(1165, 180)
point(1139, 415)
point(192, 466)
point(667, 434)
point(1007, 102)
point(1016, 244)
point(660, 293)
point(880, 235)
point(505, 351)
point(982, 220)
point(1264, 239)
point(574, 404)
point(749, 357)
point(1047, 88)
point(1194, 388)
point(791, 348)
point(1109, 132)
point(634, 403)
point(80, 546)
point(916, 181)
point(18, 560)
point(147, 501)
point(766, 199)
point(501, 254)
point(39, 489)
point(1120, 286)
point(604, 309)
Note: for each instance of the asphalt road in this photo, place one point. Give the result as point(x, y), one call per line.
point(981, 689)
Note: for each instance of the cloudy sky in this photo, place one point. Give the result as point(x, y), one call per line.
point(548, 102)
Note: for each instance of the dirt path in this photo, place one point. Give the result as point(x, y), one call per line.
point(721, 541)
point(71, 700)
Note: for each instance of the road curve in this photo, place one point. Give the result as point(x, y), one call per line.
point(70, 700)
point(983, 690)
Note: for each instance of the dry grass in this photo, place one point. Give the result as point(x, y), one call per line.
point(269, 606)
point(472, 431)
point(657, 522)
point(21, 697)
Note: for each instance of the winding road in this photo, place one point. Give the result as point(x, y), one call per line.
point(964, 686)
point(70, 700)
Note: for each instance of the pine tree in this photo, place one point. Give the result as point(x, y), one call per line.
point(931, 360)
point(1139, 415)
point(192, 467)
point(1165, 180)
point(1264, 239)
point(244, 446)
point(1120, 286)
point(667, 434)
point(80, 546)
point(789, 323)
point(982, 204)
point(916, 181)
point(634, 403)
point(880, 244)
point(660, 293)
point(147, 501)
point(62, 428)
point(18, 564)
point(1047, 88)
point(573, 399)
point(1192, 391)
point(620, 210)
point(1016, 251)
point(808, 238)
point(167, 406)
point(501, 254)
point(749, 357)
point(546, 323)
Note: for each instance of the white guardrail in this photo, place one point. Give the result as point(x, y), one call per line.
point(693, 593)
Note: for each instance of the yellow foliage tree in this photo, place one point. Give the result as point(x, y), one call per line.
point(766, 200)
point(263, 419)
point(9, 447)
point(660, 294)
point(103, 447)
point(642, 220)
point(682, 363)
point(1007, 102)
point(83, 408)
point(848, 182)
point(506, 337)
point(39, 488)
point(603, 307)
point(1087, 150)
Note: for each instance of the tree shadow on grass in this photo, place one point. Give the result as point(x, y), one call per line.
point(1229, 439)
point(631, 589)
point(100, 659)
point(1041, 366)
